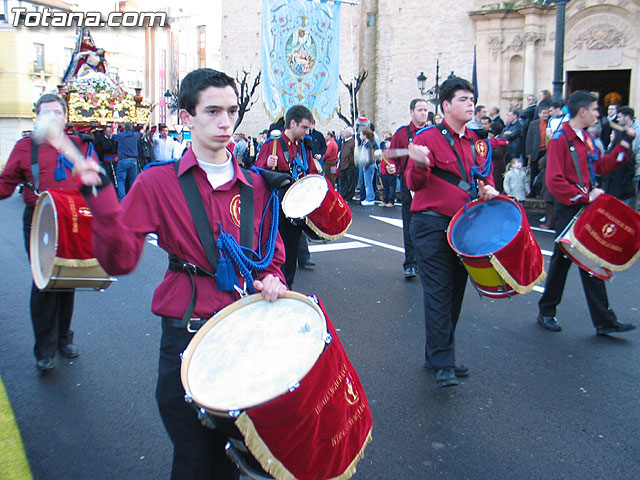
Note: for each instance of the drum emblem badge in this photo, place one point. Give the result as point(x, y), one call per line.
point(85, 212)
point(234, 210)
point(350, 394)
point(481, 148)
point(609, 230)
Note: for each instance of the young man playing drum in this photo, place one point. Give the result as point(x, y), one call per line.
point(572, 190)
point(157, 203)
point(440, 173)
point(290, 154)
point(51, 311)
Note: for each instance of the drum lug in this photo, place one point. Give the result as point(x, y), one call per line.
point(206, 419)
point(234, 413)
point(313, 299)
point(294, 386)
point(328, 338)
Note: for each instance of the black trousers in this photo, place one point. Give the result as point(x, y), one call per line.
point(198, 451)
point(348, 181)
point(290, 233)
point(444, 280)
point(409, 251)
point(51, 312)
point(594, 288)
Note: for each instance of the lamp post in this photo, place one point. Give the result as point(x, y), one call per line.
point(422, 83)
point(171, 99)
point(558, 67)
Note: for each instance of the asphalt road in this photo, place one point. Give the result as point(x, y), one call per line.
point(537, 405)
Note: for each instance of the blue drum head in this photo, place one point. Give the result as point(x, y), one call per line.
point(485, 228)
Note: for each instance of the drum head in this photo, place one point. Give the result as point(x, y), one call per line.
point(253, 351)
point(304, 196)
point(485, 227)
point(43, 243)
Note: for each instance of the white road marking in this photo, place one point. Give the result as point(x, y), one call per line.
point(396, 222)
point(375, 242)
point(548, 253)
point(330, 247)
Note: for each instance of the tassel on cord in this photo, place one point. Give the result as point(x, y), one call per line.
point(226, 243)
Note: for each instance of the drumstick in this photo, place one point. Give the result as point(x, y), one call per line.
point(275, 135)
point(379, 154)
point(396, 152)
point(50, 130)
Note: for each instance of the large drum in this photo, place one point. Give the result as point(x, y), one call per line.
point(603, 237)
point(61, 244)
point(278, 371)
point(495, 243)
point(318, 208)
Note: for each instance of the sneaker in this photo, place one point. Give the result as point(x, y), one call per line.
point(366, 203)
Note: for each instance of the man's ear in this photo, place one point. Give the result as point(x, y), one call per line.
point(186, 118)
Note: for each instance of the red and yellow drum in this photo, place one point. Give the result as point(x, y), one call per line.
point(61, 247)
point(495, 243)
point(319, 209)
point(603, 237)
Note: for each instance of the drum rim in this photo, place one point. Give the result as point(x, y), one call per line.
point(187, 354)
point(300, 181)
point(38, 278)
point(469, 206)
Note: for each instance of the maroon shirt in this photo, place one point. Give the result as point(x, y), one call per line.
point(156, 203)
point(18, 170)
point(283, 166)
point(432, 192)
point(400, 139)
point(561, 175)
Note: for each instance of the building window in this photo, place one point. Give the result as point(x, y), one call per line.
point(38, 63)
point(371, 19)
point(202, 46)
point(4, 12)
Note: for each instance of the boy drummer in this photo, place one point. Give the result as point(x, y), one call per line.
point(156, 203)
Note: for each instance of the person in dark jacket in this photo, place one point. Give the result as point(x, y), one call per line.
point(512, 133)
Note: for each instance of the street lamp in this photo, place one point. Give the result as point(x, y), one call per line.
point(558, 68)
point(422, 83)
point(171, 99)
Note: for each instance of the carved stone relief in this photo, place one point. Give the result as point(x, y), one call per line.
point(495, 45)
point(600, 37)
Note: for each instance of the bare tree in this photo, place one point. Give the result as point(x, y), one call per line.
point(353, 87)
point(246, 94)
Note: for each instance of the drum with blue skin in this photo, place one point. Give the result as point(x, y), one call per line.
point(478, 231)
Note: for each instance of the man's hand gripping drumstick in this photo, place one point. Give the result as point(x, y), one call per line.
point(272, 161)
point(50, 130)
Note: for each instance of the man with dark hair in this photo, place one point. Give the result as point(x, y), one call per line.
point(51, 311)
point(512, 133)
point(419, 112)
point(622, 183)
point(486, 123)
point(127, 168)
point(318, 144)
point(557, 116)
point(572, 190)
point(536, 143)
point(448, 166)
point(157, 203)
point(293, 155)
point(348, 170)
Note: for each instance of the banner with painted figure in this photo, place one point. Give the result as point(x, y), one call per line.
point(300, 56)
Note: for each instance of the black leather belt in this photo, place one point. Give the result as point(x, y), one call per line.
point(433, 213)
point(193, 324)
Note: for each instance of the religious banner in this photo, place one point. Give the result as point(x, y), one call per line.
point(300, 56)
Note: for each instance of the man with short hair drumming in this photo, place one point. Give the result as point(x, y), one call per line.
point(158, 203)
point(446, 162)
point(572, 190)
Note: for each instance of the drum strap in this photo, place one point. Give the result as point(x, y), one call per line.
point(576, 163)
point(35, 168)
point(461, 182)
point(203, 227)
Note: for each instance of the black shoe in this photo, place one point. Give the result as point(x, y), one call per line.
point(549, 323)
point(44, 364)
point(307, 264)
point(458, 370)
point(409, 272)
point(445, 377)
point(616, 327)
point(69, 351)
